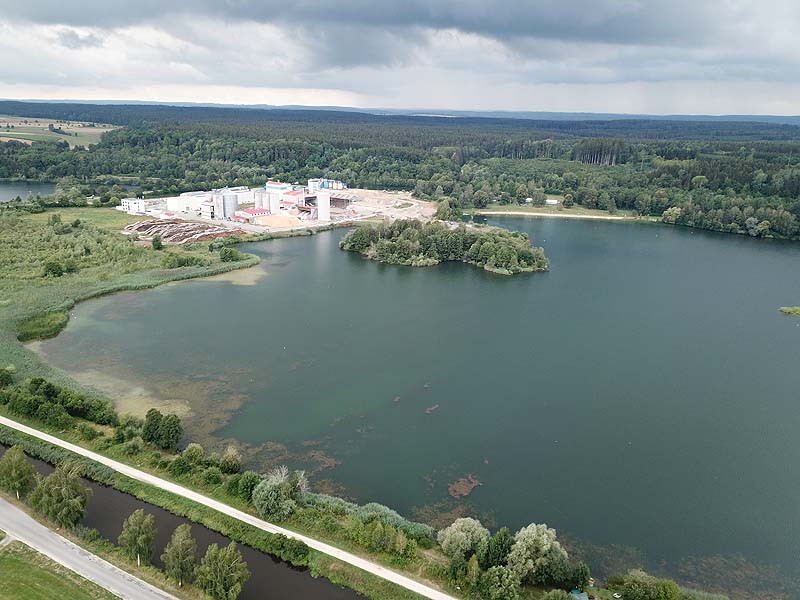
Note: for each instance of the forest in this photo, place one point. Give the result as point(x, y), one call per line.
point(740, 177)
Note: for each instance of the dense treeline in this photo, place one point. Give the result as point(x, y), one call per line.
point(721, 175)
point(410, 242)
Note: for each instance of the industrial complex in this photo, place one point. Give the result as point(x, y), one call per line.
point(273, 205)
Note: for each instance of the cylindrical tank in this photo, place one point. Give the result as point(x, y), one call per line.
point(258, 198)
point(274, 203)
point(230, 204)
point(323, 205)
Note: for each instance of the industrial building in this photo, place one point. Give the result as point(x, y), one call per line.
point(314, 185)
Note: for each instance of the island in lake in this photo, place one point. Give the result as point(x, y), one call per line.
point(411, 242)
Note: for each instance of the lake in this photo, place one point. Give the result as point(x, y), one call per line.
point(11, 189)
point(641, 397)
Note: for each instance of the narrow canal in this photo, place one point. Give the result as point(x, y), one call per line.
point(270, 578)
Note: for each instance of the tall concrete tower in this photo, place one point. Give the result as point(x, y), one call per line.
point(323, 205)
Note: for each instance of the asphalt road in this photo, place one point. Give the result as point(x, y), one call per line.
point(134, 473)
point(19, 525)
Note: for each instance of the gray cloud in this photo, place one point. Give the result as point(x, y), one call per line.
point(424, 49)
point(69, 38)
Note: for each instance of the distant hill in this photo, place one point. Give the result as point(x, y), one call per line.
point(429, 112)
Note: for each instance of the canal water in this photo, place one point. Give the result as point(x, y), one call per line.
point(641, 397)
point(270, 578)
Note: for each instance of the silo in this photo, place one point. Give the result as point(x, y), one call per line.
point(230, 204)
point(274, 203)
point(258, 198)
point(323, 205)
point(219, 211)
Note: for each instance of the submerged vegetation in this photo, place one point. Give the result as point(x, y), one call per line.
point(410, 242)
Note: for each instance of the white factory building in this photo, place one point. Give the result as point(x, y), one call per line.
point(314, 185)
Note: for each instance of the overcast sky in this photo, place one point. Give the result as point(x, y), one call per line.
point(644, 56)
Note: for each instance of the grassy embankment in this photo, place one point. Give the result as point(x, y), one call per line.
point(319, 564)
point(28, 575)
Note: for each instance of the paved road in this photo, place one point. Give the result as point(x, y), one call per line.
point(20, 526)
point(133, 473)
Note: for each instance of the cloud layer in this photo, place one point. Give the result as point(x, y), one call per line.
point(713, 56)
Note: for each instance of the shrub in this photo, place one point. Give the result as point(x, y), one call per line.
point(194, 453)
point(228, 254)
point(273, 500)
point(247, 483)
point(53, 268)
point(212, 476)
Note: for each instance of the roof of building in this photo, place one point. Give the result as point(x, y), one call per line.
point(255, 211)
point(294, 193)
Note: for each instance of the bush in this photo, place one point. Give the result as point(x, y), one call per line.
point(228, 254)
point(247, 483)
point(173, 260)
point(53, 268)
point(156, 242)
point(180, 466)
point(273, 500)
point(212, 476)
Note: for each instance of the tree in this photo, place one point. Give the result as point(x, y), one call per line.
point(581, 575)
point(462, 537)
point(273, 499)
point(499, 583)
point(138, 534)
point(222, 572)
point(473, 572)
point(180, 555)
point(5, 378)
point(157, 243)
point(170, 432)
point(532, 549)
point(638, 585)
point(152, 424)
point(62, 497)
point(247, 483)
point(499, 547)
point(16, 473)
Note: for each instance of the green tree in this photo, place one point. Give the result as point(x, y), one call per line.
point(152, 425)
point(180, 555)
point(463, 537)
point(61, 496)
point(16, 473)
point(138, 534)
point(499, 583)
point(499, 547)
point(157, 243)
point(170, 432)
point(222, 572)
point(247, 483)
point(581, 575)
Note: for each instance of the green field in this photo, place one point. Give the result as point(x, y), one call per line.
point(76, 133)
point(28, 575)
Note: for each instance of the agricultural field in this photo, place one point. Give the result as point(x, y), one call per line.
point(29, 129)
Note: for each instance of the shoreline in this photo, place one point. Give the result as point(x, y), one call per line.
point(520, 213)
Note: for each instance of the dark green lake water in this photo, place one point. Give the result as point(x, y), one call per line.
point(11, 189)
point(645, 392)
